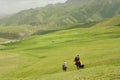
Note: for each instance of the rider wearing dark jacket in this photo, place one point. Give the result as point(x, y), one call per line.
point(77, 59)
point(78, 62)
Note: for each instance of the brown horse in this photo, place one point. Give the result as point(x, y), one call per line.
point(79, 65)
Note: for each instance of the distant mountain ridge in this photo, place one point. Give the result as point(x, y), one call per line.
point(70, 12)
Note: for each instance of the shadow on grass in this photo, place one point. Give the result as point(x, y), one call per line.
point(39, 48)
point(2, 49)
point(35, 56)
point(86, 25)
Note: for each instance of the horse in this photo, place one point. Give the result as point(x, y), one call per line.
point(79, 65)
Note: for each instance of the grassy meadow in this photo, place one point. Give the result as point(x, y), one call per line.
point(40, 57)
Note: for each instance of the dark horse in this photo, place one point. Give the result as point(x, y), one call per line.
point(79, 65)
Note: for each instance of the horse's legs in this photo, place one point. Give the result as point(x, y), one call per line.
point(65, 69)
point(77, 66)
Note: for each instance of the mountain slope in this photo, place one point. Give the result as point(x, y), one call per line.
point(115, 21)
point(71, 12)
point(41, 56)
point(20, 32)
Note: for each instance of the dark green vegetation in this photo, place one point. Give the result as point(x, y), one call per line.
point(40, 57)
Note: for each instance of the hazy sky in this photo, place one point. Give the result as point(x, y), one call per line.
point(13, 6)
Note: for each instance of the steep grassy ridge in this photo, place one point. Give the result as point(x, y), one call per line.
point(40, 57)
point(71, 12)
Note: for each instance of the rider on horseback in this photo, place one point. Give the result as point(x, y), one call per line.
point(64, 66)
point(78, 63)
point(77, 60)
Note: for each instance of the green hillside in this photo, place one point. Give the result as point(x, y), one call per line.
point(16, 32)
point(115, 21)
point(34, 43)
point(40, 57)
point(71, 12)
